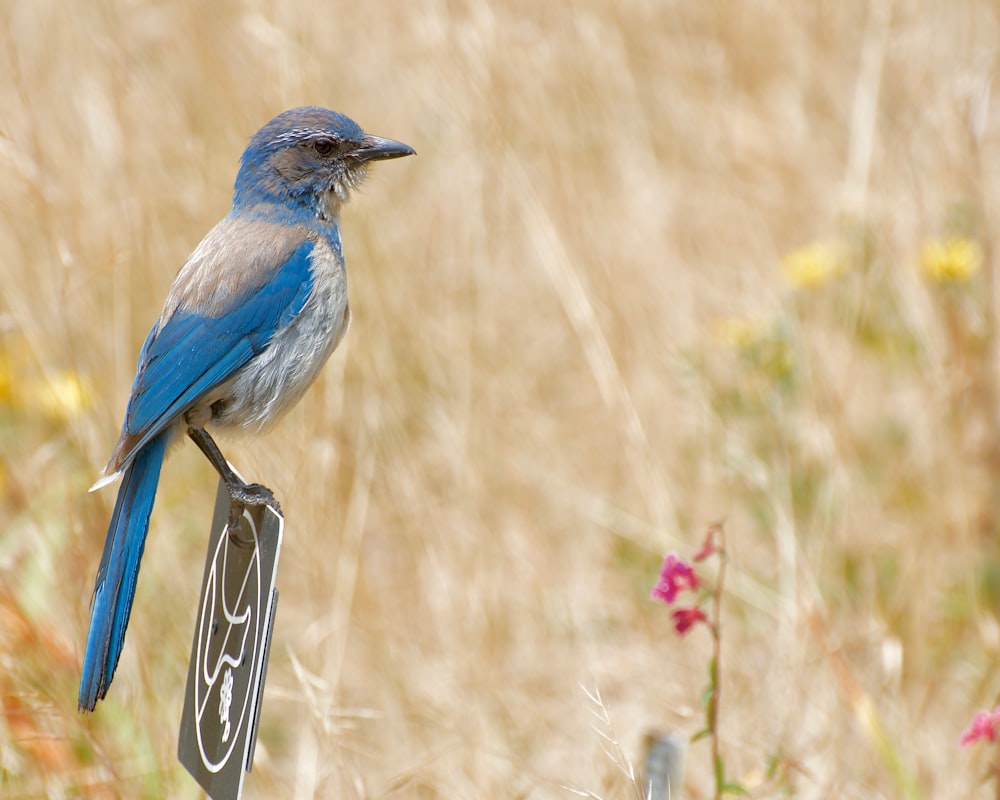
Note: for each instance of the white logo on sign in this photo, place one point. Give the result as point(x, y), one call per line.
point(240, 630)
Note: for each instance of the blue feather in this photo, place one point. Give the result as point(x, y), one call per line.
point(192, 354)
point(119, 571)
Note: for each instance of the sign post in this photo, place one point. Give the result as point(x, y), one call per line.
point(231, 645)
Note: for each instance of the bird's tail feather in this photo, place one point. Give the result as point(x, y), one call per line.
point(104, 480)
point(116, 577)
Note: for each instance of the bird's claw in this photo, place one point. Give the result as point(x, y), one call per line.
point(253, 494)
point(242, 495)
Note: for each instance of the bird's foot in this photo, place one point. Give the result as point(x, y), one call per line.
point(252, 494)
point(242, 495)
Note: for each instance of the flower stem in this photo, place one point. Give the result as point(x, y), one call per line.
point(716, 671)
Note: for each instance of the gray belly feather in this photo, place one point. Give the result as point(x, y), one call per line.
point(264, 389)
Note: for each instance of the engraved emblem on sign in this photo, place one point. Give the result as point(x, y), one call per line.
point(226, 643)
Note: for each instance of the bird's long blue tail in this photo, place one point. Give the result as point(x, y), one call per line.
point(116, 577)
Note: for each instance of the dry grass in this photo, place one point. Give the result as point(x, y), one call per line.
point(535, 400)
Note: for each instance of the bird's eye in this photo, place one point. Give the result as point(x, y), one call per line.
point(323, 147)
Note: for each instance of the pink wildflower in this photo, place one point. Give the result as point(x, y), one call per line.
point(708, 547)
point(687, 618)
point(675, 576)
point(984, 727)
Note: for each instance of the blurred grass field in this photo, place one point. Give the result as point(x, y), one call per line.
point(657, 265)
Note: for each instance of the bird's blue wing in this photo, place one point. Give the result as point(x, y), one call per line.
point(190, 354)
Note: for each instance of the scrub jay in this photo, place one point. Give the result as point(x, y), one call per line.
point(250, 320)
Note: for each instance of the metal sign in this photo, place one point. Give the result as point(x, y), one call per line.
point(229, 654)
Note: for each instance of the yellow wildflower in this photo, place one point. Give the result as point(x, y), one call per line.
point(7, 379)
point(811, 266)
point(742, 333)
point(61, 395)
point(761, 343)
point(952, 260)
point(15, 362)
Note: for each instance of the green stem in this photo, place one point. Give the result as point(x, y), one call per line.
point(716, 672)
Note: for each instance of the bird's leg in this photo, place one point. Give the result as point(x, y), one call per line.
point(241, 494)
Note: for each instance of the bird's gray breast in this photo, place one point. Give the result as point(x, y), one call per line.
point(279, 375)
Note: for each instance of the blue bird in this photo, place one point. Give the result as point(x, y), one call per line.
point(250, 320)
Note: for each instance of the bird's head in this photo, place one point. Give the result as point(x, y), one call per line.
point(308, 160)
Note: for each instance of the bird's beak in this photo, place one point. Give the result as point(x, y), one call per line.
point(375, 148)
